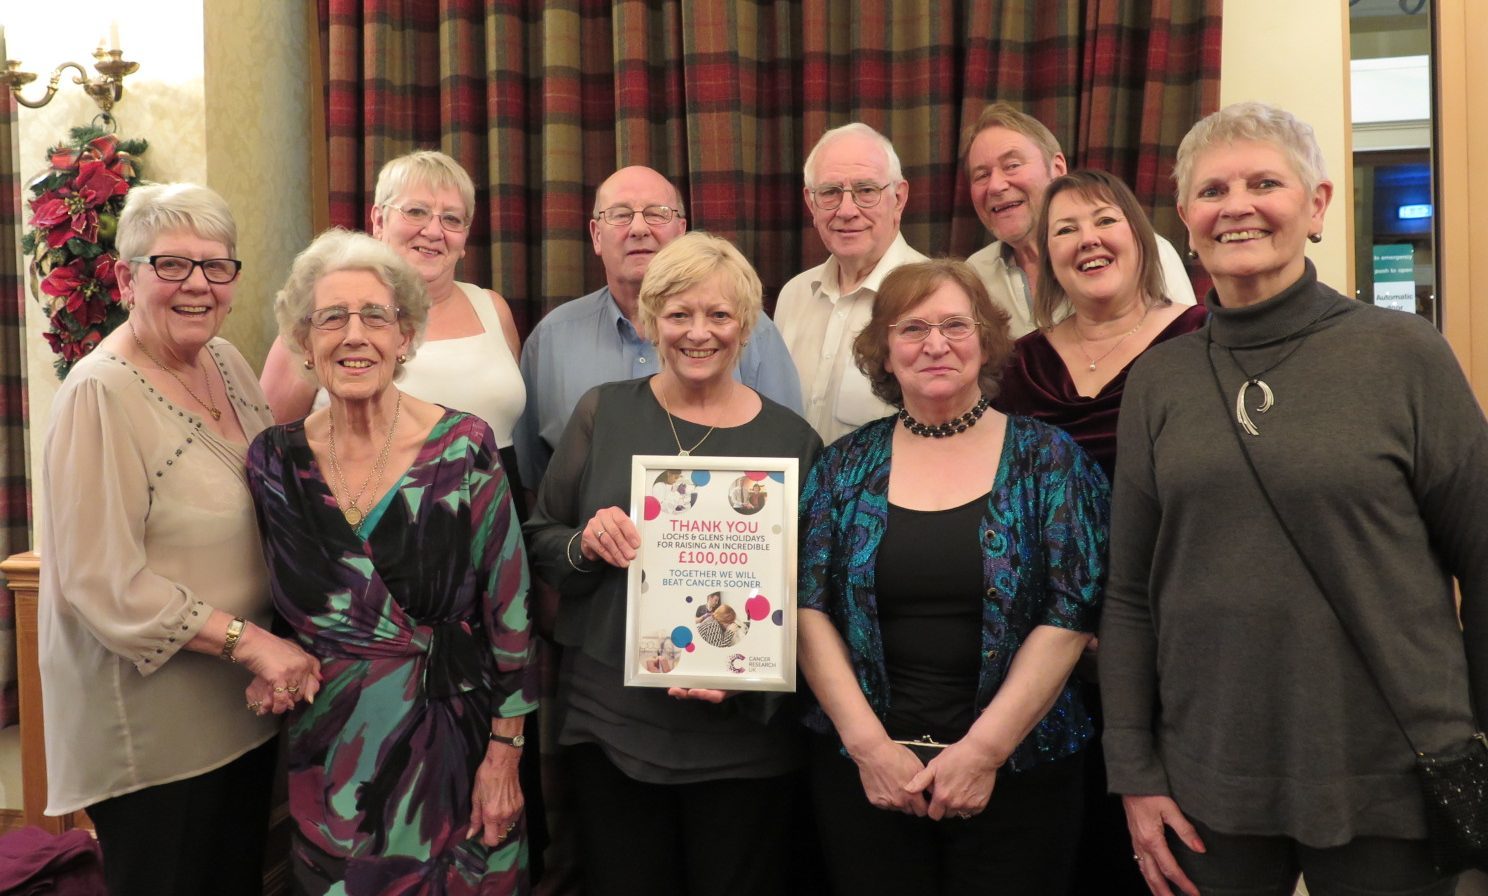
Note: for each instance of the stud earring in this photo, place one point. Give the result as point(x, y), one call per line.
point(1191, 255)
point(1314, 237)
point(309, 364)
point(402, 359)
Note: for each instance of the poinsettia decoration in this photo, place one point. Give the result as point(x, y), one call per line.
point(74, 215)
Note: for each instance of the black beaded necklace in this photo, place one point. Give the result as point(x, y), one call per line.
point(950, 427)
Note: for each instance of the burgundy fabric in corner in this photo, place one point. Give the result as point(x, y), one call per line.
point(33, 863)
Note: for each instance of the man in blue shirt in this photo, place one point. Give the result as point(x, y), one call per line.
point(594, 339)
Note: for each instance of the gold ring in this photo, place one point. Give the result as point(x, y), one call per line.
point(511, 827)
point(279, 690)
point(255, 706)
point(293, 689)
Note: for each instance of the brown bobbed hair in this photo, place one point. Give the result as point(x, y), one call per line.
point(907, 286)
point(1107, 189)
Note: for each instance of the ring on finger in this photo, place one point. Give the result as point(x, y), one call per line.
point(1137, 857)
point(292, 689)
point(255, 705)
point(280, 690)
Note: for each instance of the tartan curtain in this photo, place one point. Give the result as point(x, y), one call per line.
point(15, 498)
point(541, 100)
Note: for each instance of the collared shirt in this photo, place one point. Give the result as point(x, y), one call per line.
point(819, 325)
point(586, 342)
point(1008, 285)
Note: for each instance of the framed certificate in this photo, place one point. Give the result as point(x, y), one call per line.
point(712, 592)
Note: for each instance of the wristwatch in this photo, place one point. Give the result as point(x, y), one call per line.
point(230, 643)
point(519, 741)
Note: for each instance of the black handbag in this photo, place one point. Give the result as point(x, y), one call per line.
point(1454, 781)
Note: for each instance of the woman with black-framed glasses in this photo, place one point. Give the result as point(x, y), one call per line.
point(154, 608)
point(396, 558)
point(952, 560)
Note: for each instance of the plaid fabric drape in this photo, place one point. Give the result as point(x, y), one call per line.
point(542, 100)
point(15, 497)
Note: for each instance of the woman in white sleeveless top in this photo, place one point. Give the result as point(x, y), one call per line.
point(422, 208)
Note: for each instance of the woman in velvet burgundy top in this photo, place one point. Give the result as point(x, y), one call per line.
point(1101, 275)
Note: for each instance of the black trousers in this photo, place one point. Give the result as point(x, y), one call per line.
point(200, 835)
point(1022, 844)
point(1242, 865)
point(729, 836)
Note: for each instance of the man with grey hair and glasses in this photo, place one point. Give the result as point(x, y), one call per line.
point(595, 339)
point(856, 192)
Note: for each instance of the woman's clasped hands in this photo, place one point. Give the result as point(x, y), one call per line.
point(283, 673)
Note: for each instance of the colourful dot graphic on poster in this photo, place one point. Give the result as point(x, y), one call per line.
point(778, 617)
point(777, 475)
point(756, 475)
point(700, 478)
point(691, 647)
point(758, 607)
point(687, 599)
point(775, 528)
point(653, 508)
point(682, 636)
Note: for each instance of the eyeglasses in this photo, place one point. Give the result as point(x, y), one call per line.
point(419, 216)
point(175, 268)
point(864, 195)
point(912, 329)
point(620, 216)
point(336, 317)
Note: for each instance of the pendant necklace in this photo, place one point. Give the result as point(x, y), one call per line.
point(950, 427)
point(210, 404)
point(683, 452)
point(1268, 398)
point(354, 514)
point(1080, 339)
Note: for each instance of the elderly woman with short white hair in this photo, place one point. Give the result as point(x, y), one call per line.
point(1299, 484)
point(396, 558)
point(154, 600)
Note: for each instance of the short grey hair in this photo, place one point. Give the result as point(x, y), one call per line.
point(152, 210)
point(346, 250)
point(428, 168)
point(856, 128)
point(1261, 122)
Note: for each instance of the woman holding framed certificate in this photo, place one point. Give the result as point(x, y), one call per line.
point(691, 786)
point(952, 560)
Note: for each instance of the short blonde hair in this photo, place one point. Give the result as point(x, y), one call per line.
point(1261, 122)
point(428, 168)
point(346, 250)
point(152, 210)
point(691, 259)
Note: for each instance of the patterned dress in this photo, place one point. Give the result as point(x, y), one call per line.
point(422, 633)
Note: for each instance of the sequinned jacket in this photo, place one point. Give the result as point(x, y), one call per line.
point(1043, 538)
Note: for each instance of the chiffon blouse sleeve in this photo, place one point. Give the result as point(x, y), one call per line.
point(98, 491)
point(1075, 506)
point(559, 513)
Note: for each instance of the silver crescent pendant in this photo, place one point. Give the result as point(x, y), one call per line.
point(1267, 400)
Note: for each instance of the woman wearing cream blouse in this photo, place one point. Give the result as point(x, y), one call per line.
point(154, 598)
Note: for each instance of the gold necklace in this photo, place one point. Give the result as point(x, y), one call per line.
point(682, 452)
point(353, 513)
point(1080, 339)
point(209, 404)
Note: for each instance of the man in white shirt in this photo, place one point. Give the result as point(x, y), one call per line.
point(1011, 158)
point(855, 190)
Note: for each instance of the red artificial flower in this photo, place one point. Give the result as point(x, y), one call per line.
point(65, 279)
point(72, 210)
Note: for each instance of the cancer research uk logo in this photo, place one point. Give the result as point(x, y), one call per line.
point(736, 664)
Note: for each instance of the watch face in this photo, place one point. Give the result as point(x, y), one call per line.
point(519, 740)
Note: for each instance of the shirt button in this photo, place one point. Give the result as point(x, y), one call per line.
point(842, 314)
point(643, 360)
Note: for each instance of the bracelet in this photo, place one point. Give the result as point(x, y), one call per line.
point(230, 643)
point(568, 552)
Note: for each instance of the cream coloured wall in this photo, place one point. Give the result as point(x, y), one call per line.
point(1296, 56)
point(219, 94)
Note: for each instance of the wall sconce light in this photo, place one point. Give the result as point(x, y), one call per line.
point(106, 89)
